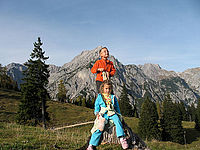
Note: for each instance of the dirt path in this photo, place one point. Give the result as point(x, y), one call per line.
point(74, 125)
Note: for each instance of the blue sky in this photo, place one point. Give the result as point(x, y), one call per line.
point(135, 31)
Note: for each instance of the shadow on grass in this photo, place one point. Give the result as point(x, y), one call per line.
point(7, 116)
point(8, 113)
point(6, 96)
point(192, 135)
point(16, 146)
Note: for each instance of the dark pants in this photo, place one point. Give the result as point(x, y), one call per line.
point(98, 84)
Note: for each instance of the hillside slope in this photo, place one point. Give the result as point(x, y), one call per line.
point(60, 113)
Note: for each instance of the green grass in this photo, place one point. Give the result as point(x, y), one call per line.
point(9, 101)
point(14, 136)
point(67, 114)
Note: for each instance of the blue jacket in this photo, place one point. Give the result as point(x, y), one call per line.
point(100, 103)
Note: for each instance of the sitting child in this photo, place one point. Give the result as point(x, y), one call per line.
point(104, 68)
point(106, 107)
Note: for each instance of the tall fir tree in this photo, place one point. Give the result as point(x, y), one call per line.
point(148, 122)
point(84, 103)
point(184, 114)
point(191, 112)
point(158, 109)
point(171, 123)
point(197, 116)
point(32, 109)
point(78, 100)
point(125, 107)
point(135, 111)
point(90, 102)
point(61, 92)
point(139, 102)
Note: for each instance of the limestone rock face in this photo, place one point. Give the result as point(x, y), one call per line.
point(155, 72)
point(139, 80)
point(15, 71)
point(53, 68)
point(192, 77)
point(179, 85)
point(76, 75)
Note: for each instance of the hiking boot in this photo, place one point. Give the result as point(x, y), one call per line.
point(90, 147)
point(124, 143)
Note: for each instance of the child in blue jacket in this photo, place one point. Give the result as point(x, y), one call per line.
point(107, 107)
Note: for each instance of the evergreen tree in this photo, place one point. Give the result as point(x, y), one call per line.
point(135, 111)
point(158, 109)
point(191, 112)
point(90, 102)
point(125, 106)
point(148, 122)
point(32, 109)
point(139, 102)
point(61, 91)
point(197, 117)
point(84, 102)
point(184, 116)
point(171, 124)
point(78, 100)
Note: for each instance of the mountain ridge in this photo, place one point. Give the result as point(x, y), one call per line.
point(138, 79)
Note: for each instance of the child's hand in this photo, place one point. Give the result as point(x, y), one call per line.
point(108, 75)
point(100, 69)
point(98, 115)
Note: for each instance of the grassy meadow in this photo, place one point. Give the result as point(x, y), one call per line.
point(14, 136)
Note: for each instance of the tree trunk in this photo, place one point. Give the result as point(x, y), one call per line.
point(43, 114)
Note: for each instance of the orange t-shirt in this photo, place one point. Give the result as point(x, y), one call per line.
point(107, 65)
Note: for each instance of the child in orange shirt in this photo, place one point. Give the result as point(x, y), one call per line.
point(103, 66)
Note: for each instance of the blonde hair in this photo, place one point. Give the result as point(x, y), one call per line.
point(106, 82)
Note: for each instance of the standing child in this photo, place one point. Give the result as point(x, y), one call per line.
point(107, 108)
point(103, 67)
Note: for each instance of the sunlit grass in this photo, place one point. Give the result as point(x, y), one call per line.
point(22, 137)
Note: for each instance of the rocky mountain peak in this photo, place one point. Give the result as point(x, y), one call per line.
point(15, 66)
point(53, 68)
point(85, 57)
point(155, 72)
point(192, 77)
